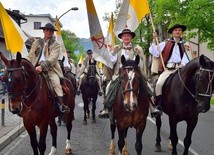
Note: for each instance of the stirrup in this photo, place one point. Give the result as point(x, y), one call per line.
point(100, 93)
point(103, 114)
point(78, 92)
point(157, 112)
point(64, 109)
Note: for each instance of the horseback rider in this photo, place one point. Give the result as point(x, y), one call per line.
point(174, 55)
point(44, 56)
point(129, 50)
point(84, 70)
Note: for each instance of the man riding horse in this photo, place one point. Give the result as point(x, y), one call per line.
point(84, 70)
point(174, 56)
point(129, 50)
point(44, 56)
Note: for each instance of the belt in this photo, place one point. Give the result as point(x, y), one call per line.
point(172, 66)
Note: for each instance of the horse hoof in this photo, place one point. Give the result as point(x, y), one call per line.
point(157, 148)
point(68, 151)
point(93, 120)
point(170, 146)
point(84, 122)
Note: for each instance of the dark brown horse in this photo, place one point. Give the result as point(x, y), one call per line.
point(187, 93)
point(71, 77)
point(30, 98)
point(89, 89)
point(131, 106)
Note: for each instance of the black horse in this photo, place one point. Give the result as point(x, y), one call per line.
point(187, 94)
point(89, 89)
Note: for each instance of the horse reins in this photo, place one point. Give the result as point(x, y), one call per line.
point(209, 86)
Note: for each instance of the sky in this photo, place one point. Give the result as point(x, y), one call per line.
point(75, 21)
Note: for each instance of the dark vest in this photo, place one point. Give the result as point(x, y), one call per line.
point(167, 52)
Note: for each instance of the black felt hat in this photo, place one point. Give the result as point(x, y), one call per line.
point(126, 31)
point(89, 51)
point(49, 26)
point(183, 27)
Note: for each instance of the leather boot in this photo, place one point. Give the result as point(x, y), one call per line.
point(63, 108)
point(157, 108)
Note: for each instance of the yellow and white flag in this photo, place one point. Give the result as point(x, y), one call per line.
point(100, 50)
point(59, 39)
point(81, 59)
point(110, 39)
point(131, 14)
point(14, 36)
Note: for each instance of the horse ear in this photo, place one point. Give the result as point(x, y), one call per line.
point(137, 60)
point(4, 59)
point(202, 61)
point(123, 60)
point(63, 58)
point(18, 57)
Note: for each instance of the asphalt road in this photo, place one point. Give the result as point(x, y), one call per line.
point(94, 139)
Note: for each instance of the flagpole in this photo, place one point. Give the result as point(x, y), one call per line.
point(156, 39)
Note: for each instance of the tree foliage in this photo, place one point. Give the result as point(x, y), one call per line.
point(197, 15)
point(72, 44)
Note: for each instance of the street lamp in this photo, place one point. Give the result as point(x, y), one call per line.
point(74, 8)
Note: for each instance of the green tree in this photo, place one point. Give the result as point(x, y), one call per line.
point(72, 44)
point(197, 15)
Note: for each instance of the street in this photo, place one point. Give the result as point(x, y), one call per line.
point(94, 139)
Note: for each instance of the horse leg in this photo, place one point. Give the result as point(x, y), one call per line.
point(53, 130)
point(158, 137)
point(173, 135)
point(125, 149)
point(187, 141)
point(33, 138)
point(121, 141)
point(68, 149)
point(59, 121)
point(42, 137)
point(85, 108)
point(112, 144)
point(93, 110)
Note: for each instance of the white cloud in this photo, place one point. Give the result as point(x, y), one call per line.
point(75, 21)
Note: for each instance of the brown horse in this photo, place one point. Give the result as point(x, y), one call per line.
point(89, 89)
point(30, 98)
point(71, 77)
point(187, 93)
point(131, 106)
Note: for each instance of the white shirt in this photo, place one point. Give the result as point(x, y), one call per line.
point(113, 58)
point(43, 58)
point(175, 57)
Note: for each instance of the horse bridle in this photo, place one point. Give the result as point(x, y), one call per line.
point(209, 86)
point(23, 94)
point(129, 81)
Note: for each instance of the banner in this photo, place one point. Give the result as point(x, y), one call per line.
point(100, 50)
point(110, 39)
point(14, 36)
point(59, 39)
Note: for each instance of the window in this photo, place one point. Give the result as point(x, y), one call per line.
point(37, 25)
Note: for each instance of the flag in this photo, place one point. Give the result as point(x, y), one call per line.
point(100, 65)
point(122, 18)
point(100, 50)
point(110, 39)
point(81, 59)
point(14, 37)
point(131, 14)
point(59, 39)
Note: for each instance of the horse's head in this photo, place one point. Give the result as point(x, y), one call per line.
point(61, 63)
point(130, 80)
point(204, 83)
point(91, 74)
point(16, 77)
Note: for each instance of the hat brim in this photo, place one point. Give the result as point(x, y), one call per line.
point(47, 28)
point(132, 34)
point(183, 27)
